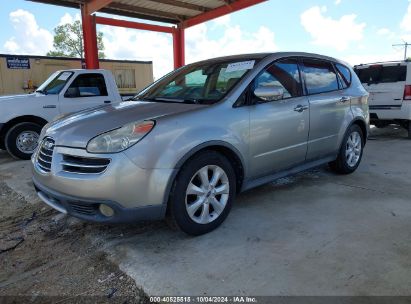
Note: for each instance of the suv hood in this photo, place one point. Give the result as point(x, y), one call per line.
point(76, 130)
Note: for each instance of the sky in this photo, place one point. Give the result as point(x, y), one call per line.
point(357, 31)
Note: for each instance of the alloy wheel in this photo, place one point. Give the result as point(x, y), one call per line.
point(207, 194)
point(353, 149)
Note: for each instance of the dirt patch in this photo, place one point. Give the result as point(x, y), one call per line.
point(47, 257)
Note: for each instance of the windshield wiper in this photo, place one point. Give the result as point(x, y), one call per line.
point(41, 92)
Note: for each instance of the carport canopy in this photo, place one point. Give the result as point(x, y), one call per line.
point(178, 14)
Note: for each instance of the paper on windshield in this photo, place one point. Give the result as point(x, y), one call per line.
point(240, 66)
point(64, 76)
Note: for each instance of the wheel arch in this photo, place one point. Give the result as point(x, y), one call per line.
point(226, 149)
point(363, 125)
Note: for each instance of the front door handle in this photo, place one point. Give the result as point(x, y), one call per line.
point(345, 99)
point(300, 108)
point(107, 101)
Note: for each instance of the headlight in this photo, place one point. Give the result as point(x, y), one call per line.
point(120, 139)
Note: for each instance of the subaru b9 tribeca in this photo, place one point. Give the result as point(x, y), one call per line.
point(188, 143)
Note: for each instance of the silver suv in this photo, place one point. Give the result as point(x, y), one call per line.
point(188, 143)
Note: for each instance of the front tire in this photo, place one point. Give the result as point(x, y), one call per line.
point(22, 139)
point(350, 154)
point(202, 193)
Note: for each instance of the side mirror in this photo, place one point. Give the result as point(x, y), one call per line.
point(72, 93)
point(269, 93)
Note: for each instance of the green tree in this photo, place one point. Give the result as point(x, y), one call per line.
point(68, 41)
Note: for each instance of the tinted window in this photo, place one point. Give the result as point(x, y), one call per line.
point(382, 74)
point(320, 76)
point(283, 75)
point(87, 85)
point(344, 75)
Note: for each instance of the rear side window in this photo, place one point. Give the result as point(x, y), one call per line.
point(320, 76)
point(382, 74)
point(344, 75)
point(87, 85)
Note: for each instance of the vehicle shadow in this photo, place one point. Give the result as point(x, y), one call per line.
point(388, 133)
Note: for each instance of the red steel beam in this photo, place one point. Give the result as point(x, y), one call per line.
point(90, 39)
point(220, 11)
point(135, 25)
point(96, 5)
point(178, 46)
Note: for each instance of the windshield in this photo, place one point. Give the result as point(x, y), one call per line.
point(55, 83)
point(203, 83)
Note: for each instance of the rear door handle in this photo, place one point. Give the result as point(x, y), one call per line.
point(345, 99)
point(107, 101)
point(300, 108)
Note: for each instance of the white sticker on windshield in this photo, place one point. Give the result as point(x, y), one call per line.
point(64, 76)
point(240, 66)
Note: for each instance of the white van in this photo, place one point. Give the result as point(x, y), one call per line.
point(389, 85)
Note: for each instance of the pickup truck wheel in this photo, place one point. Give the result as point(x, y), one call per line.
point(22, 139)
point(351, 151)
point(202, 193)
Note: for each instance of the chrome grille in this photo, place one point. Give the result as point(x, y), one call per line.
point(84, 165)
point(45, 154)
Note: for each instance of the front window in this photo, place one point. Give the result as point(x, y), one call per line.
point(203, 83)
point(284, 76)
point(55, 83)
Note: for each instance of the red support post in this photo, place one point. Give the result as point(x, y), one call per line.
point(179, 46)
point(89, 38)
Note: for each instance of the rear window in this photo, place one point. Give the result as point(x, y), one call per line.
point(320, 76)
point(344, 75)
point(382, 74)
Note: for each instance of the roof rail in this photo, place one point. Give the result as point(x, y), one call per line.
point(381, 62)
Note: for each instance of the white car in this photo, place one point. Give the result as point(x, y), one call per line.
point(389, 85)
point(23, 116)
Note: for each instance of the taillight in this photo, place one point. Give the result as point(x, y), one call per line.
point(407, 92)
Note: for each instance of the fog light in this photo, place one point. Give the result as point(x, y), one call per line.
point(106, 210)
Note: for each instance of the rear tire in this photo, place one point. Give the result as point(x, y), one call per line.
point(22, 139)
point(350, 154)
point(202, 193)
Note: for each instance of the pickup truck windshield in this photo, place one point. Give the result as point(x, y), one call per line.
point(202, 83)
point(55, 83)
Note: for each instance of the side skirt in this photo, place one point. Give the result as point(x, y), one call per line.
point(249, 184)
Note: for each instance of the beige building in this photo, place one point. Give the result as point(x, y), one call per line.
point(23, 74)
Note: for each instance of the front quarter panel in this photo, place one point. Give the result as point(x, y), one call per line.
point(44, 106)
point(175, 137)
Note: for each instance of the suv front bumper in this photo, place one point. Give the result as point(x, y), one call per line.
point(132, 193)
point(89, 210)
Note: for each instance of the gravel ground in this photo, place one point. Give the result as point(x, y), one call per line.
point(48, 257)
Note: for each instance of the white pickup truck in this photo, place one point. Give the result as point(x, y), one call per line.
point(23, 116)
